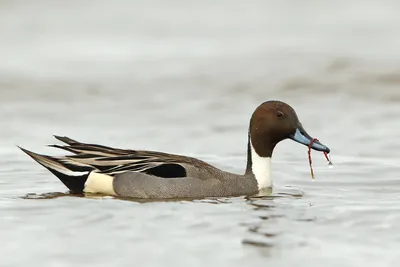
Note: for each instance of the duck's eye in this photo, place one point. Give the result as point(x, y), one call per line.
point(279, 114)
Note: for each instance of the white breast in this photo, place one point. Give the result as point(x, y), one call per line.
point(261, 168)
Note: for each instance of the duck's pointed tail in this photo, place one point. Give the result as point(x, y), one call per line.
point(73, 176)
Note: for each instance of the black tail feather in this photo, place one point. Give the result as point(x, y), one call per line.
point(75, 184)
point(73, 179)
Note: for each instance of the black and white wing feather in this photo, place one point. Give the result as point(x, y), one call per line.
point(113, 161)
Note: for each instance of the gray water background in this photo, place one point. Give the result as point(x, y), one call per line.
point(184, 77)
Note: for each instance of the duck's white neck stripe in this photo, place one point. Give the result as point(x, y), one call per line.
point(261, 168)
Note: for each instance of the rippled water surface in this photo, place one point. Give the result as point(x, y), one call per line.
point(184, 77)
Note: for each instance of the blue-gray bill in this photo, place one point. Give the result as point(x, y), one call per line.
point(302, 137)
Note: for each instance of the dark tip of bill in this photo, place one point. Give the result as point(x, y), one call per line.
point(320, 147)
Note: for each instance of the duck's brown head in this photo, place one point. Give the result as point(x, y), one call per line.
point(274, 121)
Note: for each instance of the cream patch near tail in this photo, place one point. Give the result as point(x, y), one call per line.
point(99, 183)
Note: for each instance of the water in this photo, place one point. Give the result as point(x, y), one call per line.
point(185, 78)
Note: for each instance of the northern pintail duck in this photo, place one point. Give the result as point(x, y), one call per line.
point(148, 174)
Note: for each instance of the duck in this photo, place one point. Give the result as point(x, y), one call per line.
point(127, 173)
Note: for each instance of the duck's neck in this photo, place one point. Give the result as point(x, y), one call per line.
point(259, 166)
